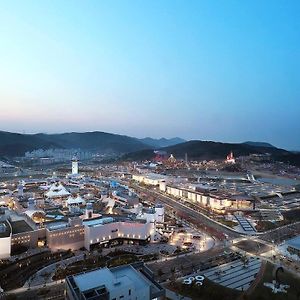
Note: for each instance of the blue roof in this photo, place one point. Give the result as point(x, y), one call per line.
point(295, 242)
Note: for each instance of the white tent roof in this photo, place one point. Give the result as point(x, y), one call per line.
point(30, 213)
point(57, 191)
point(77, 200)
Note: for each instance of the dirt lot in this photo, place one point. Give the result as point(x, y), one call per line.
point(253, 247)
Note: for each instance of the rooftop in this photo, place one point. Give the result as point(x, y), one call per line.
point(98, 221)
point(4, 229)
point(114, 279)
point(20, 226)
point(295, 242)
point(111, 278)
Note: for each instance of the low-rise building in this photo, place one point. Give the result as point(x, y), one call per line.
point(101, 231)
point(149, 178)
point(213, 199)
point(5, 239)
point(294, 246)
point(124, 282)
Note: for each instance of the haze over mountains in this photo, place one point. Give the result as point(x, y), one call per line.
point(162, 142)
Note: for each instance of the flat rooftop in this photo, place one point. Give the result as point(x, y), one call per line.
point(20, 226)
point(152, 176)
point(98, 221)
point(295, 242)
point(105, 220)
point(4, 229)
point(55, 225)
point(113, 279)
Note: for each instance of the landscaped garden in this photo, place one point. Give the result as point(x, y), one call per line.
point(90, 262)
point(15, 274)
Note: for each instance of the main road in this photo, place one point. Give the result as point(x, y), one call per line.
point(195, 217)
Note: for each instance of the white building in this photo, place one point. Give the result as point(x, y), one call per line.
point(154, 214)
point(129, 282)
point(5, 240)
point(57, 191)
point(74, 166)
point(215, 200)
point(150, 178)
point(75, 201)
point(103, 230)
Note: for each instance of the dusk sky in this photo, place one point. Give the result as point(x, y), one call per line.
point(210, 70)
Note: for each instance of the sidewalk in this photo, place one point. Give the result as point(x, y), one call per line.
point(45, 275)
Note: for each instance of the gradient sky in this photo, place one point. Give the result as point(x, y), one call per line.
point(210, 70)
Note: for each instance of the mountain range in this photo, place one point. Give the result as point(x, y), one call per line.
point(130, 148)
point(162, 142)
point(206, 150)
point(259, 144)
point(16, 144)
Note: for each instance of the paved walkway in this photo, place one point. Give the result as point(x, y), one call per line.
point(45, 275)
point(28, 253)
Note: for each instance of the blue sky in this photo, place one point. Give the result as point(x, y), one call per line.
point(210, 70)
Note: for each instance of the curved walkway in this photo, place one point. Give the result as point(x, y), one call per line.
point(45, 275)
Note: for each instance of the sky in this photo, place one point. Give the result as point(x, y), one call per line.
point(210, 70)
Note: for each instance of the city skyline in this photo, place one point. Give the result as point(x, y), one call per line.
point(207, 70)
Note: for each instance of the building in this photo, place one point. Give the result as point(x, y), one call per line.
point(65, 235)
point(211, 198)
point(230, 158)
point(294, 246)
point(72, 229)
point(5, 240)
point(57, 191)
point(150, 178)
point(75, 201)
point(74, 166)
point(153, 214)
point(129, 282)
point(101, 231)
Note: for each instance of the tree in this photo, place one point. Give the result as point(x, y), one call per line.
point(245, 260)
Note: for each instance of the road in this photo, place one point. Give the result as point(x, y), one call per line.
point(195, 217)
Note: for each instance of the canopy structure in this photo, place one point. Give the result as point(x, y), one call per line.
point(56, 191)
point(75, 201)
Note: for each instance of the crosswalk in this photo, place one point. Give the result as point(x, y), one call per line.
point(245, 224)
